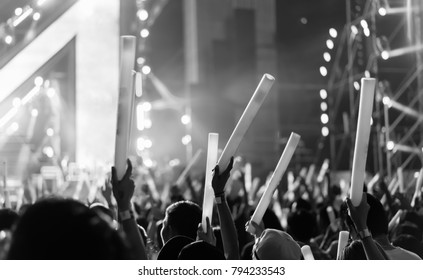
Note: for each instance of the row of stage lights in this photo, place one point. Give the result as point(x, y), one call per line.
point(20, 15)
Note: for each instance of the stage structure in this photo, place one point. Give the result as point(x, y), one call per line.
point(381, 39)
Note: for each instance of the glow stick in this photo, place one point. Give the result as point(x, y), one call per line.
point(395, 188)
point(274, 180)
point(342, 243)
point(332, 218)
point(127, 58)
point(400, 179)
point(392, 184)
point(244, 122)
point(307, 253)
point(138, 84)
point(247, 177)
point(208, 190)
point(184, 173)
point(362, 139)
point(395, 220)
point(254, 189)
point(323, 170)
point(303, 173)
point(372, 182)
point(417, 191)
point(310, 174)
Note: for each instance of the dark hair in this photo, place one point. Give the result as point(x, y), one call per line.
point(415, 218)
point(183, 217)
point(302, 225)
point(409, 229)
point(200, 250)
point(8, 218)
point(64, 229)
point(354, 251)
point(270, 220)
point(409, 243)
point(377, 220)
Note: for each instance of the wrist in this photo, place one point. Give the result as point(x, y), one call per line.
point(364, 233)
point(126, 215)
point(220, 198)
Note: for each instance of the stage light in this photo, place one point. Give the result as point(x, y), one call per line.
point(390, 145)
point(367, 74)
point(40, 2)
point(382, 11)
point(148, 123)
point(357, 85)
point(148, 162)
point(385, 55)
point(50, 132)
point(324, 118)
point(323, 94)
point(174, 162)
point(325, 131)
point(303, 20)
point(366, 32)
point(330, 44)
point(387, 101)
point(140, 60)
point(8, 39)
point(51, 92)
point(140, 143)
point(327, 57)
point(185, 119)
point(416, 174)
point(354, 29)
point(18, 11)
point(323, 71)
point(22, 17)
point(323, 106)
point(34, 112)
point(333, 33)
point(48, 151)
point(38, 81)
point(142, 15)
point(146, 106)
point(148, 143)
point(16, 102)
point(364, 24)
point(144, 33)
point(146, 70)
point(12, 128)
point(36, 16)
point(186, 139)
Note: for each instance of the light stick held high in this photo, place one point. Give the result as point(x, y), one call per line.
point(332, 218)
point(395, 220)
point(208, 199)
point(367, 94)
point(266, 198)
point(125, 105)
point(417, 191)
point(323, 169)
point(400, 179)
point(342, 243)
point(246, 119)
point(307, 253)
point(184, 173)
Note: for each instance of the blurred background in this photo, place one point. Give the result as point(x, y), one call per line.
point(200, 62)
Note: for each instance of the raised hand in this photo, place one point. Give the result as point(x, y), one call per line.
point(219, 180)
point(123, 190)
point(206, 236)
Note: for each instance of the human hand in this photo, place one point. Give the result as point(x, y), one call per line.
point(206, 236)
point(257, 229)
point(123, 190)
point(359, 214)
point(219, 180)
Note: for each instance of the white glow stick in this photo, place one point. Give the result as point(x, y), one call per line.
point(332, 218)
point(184, 173)
point(417, 191)
point(372, 182)
point(138, 84)
point(310, 174)
point(362, 139)
point(342, 243)
point(248, 177)
point(392, 184)
point(400, 179)
point(244, 122)
point(208, 190)
point(274, 180)
point(127, 58)
point(307, 253)
point(395, 220)
point(323, 170)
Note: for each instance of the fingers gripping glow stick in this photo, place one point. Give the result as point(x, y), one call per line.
point(307, 253)
point(244, 122)
point(274, 180)
point(362, 139)
point(400, 179)
point(127, 58)
point(332, 218)
point(208, 190)
point(323, 170)
point(184, 173)
point(342, 243)
point(395, 220)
